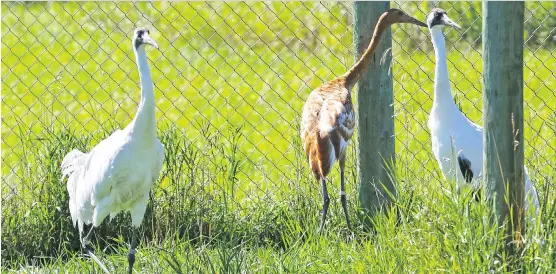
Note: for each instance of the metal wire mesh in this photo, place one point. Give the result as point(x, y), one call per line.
point(230, 80)
point(465, 68)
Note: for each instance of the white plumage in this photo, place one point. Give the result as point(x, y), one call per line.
point(451, 132)
point(118, 173)
point(115, 176)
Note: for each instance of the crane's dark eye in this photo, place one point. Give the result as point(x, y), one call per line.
point(436, 14)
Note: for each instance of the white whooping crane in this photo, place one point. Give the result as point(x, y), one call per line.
point(455, 139)
point(118, 173)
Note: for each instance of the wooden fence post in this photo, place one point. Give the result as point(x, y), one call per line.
point(375, 110)
point(503, 111)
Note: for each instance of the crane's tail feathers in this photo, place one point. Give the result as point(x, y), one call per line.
point(71, 166)
point(72, 162)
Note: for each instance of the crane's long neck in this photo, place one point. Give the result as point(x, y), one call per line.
point(144, 123)
point(442, 90)
point(355, 73)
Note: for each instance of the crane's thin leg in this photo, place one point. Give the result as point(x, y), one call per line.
point(137, 214)
point(85, 241)
point(131, 255)
point(343, 190)
point(325, 203)
point(89, 249)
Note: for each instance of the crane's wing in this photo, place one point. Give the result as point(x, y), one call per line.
point(327, 125)
point(116, 167)
point(311, 111)
point(337, 115)
point(105, 167)
point(328, 111)
point(78, 167)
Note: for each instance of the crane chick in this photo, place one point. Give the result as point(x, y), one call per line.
point(328, 118)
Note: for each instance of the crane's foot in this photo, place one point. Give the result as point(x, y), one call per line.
point(100, 264)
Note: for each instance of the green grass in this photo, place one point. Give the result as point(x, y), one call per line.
point(236, 194)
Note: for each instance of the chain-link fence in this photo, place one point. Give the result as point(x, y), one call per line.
point(230, 82)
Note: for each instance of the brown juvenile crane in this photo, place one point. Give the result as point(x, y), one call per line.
point(328, 118)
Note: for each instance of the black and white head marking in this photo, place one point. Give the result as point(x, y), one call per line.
point(435, 17)
point(141, 37)
point(438, 17)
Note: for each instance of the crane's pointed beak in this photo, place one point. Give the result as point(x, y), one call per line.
point(148, 40)
point(448, 22)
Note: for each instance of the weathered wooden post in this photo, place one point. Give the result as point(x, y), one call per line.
point(375, 112)
point(503, 111)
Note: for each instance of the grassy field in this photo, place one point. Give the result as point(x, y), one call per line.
point(236, 194)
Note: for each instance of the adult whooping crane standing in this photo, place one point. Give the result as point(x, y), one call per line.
point(457, 143)
point(328, 118)
point(118, 173)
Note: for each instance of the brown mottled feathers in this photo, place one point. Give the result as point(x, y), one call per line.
point(328, 118)
point(327, 125)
